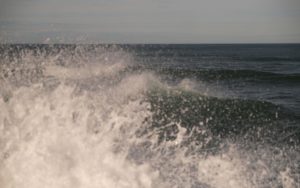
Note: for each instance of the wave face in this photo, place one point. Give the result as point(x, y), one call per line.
point(110, 116)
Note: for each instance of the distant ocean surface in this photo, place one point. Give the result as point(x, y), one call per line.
point(153, 115)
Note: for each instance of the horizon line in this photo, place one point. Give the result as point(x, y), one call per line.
point(233, 43)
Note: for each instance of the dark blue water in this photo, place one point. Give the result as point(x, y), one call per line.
point(260, 72)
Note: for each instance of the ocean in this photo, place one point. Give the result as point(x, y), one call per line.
point(150, 115)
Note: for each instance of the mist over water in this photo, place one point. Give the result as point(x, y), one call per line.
point(95, 116)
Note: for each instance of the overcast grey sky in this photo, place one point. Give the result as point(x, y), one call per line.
point(150, 21)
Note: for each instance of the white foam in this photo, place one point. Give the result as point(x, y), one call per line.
point(287, 181)
point(54, 146)
point(223, 171)
point(87, 71)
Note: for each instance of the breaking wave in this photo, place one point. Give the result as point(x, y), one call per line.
point(85, 117)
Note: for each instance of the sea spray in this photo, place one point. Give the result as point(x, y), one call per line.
point(64, 139)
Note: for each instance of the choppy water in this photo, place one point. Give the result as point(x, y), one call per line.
point(149, 116)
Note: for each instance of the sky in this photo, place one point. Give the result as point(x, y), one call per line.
point(149, 21)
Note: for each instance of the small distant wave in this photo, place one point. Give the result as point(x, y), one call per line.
point(223, 74)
